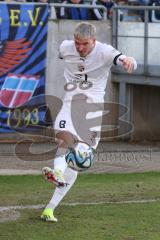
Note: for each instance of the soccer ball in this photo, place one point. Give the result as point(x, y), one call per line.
point(80, 157)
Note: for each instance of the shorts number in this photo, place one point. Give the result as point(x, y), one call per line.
point(62, 124)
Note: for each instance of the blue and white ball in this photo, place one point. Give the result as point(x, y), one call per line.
point(80, 157)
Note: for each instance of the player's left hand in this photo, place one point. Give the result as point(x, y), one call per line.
point(128, 64)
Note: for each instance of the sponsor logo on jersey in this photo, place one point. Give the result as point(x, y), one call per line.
point(81, 67)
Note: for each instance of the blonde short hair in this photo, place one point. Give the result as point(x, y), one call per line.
point(85, 30)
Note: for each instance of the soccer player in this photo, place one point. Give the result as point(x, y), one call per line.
point(87, 66)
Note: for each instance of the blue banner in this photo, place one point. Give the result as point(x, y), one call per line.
point(23, 41)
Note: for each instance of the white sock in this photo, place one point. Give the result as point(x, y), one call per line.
point(59, 193)
point(60, 163)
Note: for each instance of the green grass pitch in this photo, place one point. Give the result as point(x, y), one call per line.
point(108, 216)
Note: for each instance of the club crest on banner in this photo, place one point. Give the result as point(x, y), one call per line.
point(17, 90)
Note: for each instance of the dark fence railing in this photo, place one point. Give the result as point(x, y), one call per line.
point(148, 17)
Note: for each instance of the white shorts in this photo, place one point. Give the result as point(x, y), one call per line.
point(81, 117)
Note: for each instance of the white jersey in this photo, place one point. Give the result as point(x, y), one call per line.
point(93, 68)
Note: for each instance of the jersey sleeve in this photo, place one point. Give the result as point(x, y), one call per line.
point(111, 54)
point(62, 49)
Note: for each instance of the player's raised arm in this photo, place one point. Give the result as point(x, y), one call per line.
point(128, 63)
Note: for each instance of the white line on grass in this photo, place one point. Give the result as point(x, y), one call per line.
point(5, 208)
